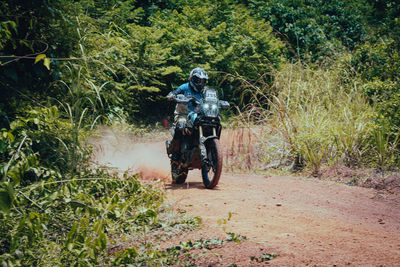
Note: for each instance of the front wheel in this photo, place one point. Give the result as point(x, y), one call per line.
point(211, 170)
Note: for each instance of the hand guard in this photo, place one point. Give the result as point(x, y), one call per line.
point(171, 96)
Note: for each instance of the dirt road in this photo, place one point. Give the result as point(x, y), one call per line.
point(308, 222)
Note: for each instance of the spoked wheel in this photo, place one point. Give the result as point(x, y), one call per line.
point(211, 171)
point(178, 174)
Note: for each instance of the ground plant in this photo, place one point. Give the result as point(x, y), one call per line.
point(79, 220)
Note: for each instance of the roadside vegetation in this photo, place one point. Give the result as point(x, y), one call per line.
point(319, 79)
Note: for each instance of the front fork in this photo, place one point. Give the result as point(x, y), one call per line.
point(203, 150)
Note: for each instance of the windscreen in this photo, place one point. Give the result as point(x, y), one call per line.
point(210, 96)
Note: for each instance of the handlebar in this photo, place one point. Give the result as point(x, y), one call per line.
point(184, 99)
point(180, 98)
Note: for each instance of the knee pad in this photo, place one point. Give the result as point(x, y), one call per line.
point(180, 123)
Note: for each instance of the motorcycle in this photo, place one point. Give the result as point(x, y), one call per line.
point(199, 141)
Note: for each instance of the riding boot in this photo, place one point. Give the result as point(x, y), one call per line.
point(173, 148)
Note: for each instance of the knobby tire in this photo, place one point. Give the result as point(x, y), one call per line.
point(213, 149)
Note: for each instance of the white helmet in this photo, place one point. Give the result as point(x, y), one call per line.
point(198, 79)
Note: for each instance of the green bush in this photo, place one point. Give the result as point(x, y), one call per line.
point(377, 60)
point(378, 65)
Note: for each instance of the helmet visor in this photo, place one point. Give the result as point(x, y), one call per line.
point(198, 81)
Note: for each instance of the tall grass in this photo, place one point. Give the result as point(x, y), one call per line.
point(320, 115)
point(384, 148)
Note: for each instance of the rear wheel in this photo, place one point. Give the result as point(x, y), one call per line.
point(178, 174)
point(211, 170)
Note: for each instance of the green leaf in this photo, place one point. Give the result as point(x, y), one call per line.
point(14, 26)
point(10, 137)
point(25, 43)
point(6, 197)
point(103, 241)
point(144, 88)
point(33, 215)
point(5, 201)
point(46, 63)
point(170, 69)
point(39, 57)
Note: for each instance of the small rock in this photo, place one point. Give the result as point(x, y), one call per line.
point(287, 235)
point(278, 204)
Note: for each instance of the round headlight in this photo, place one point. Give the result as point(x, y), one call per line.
point(214, 106)
point(206, 106)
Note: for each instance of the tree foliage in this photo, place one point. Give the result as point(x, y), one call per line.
point(150, 58)
point(315, 28)
point(27, 30)
point(144, 49)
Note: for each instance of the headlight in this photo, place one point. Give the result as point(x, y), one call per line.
point(210, 110)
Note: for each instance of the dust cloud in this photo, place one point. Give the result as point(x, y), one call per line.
point(122, 153)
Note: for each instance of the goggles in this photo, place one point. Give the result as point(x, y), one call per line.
point(198, 81)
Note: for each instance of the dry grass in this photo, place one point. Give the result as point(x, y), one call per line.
point(252, 148)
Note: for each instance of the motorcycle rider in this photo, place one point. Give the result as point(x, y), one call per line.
point(197, 80)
